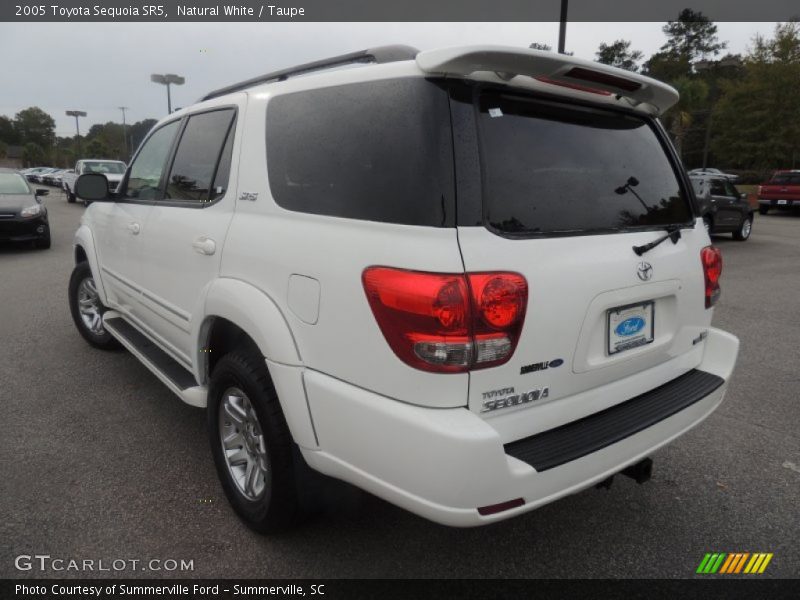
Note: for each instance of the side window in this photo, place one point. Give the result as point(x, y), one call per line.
point(378, 151)
point(193, 177)
point(147, 168)
point(731, 191)
point(718, 188)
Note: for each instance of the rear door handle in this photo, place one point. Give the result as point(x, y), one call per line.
point(204, 245)
point(134, 228)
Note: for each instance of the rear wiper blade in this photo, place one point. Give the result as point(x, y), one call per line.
point(673, 233)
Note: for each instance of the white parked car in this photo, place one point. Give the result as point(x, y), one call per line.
point(113, 170)
point(470, 281)
point(713, 173)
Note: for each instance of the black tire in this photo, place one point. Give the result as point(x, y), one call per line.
point(99, 337)
point(276, 507)
point(44, 242)
point(763, 209)
point(70, 195)
point(745, 229)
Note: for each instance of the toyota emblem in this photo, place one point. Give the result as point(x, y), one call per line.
point(645, 271)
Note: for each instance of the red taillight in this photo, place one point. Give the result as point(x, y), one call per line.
point(604, 78)
point(572, 86)
point(711, 258)
point(448, 322)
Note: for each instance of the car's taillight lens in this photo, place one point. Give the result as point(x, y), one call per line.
point(448, 323)
point(711, 258)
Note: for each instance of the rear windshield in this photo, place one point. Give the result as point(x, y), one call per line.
point(551, 169)
point(785, 179)
point(116, 168)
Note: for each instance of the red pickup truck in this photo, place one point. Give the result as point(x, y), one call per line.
point(782, 191)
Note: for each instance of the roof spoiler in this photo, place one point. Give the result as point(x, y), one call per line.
point(379, 55)
point(508, 62)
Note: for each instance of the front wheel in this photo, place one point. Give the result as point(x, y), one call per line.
point(70, 195)
point(745, 229)
point(251, 443)
point(87, 309)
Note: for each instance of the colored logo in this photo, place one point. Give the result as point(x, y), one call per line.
point(734, 563)
point(630, 326)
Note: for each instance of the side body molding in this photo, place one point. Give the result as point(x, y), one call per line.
point(85, 239)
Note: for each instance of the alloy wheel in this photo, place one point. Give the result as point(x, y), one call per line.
point(243, 444)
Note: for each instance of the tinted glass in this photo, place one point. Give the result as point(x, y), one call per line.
point(548, 168)
point(12, 183)
point(786, 179)
point(718, 188)
point(730, 190)
point(148, 166)
point(378, 151)
point(197, 156)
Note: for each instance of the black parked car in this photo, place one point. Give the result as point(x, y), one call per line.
point(23, 217)
point(723, 208)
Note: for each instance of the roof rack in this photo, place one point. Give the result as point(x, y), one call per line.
point(381, 54)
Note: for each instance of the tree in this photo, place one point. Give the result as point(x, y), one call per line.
point(35, 126)
point(619, 54)
point(33, 154)
point(8, 133)
point(138, 131)
point(678, 120)
point(758, 117)
point(691, 37)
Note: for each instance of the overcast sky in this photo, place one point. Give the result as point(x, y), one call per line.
point(97, 67)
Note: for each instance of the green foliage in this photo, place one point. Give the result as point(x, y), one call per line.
point(33, 154)
point(678, 120)
point(8, 133)
point(691, 37)
point(758, 117)
point(619, 54)
point(35, 126)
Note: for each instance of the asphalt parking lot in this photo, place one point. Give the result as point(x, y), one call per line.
point(98, 460)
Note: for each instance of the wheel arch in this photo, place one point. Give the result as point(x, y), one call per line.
point(238, 316)
point(84, 251)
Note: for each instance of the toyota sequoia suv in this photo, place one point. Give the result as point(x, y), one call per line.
point(470, 280)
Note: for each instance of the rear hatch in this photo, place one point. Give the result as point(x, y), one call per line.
point(782, 186)
point(567, 191)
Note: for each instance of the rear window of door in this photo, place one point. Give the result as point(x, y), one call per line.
point(550, 168)
point(199, 172)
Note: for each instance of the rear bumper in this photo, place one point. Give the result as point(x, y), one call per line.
point(443, 464)
point(778, 203)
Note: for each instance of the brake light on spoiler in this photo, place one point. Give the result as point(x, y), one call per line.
point(448, 323)
point(559, 69)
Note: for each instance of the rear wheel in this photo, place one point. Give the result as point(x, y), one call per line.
point(745, 229)
point(763, 209)
point(87, 309)
point(251, 443)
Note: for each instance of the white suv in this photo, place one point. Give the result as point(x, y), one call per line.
point(469, 281)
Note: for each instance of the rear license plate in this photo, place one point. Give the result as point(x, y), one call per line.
point(630, 326)
point(783, 202)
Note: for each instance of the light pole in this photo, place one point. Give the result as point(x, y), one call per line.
point(76, 114)
point(562, 28)
point(167, 80)
point(125, 133)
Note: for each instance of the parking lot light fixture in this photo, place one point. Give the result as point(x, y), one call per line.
point(167, 80)
point(77, 114)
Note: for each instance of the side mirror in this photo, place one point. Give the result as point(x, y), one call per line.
point(92, 187)
point(41, 192)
